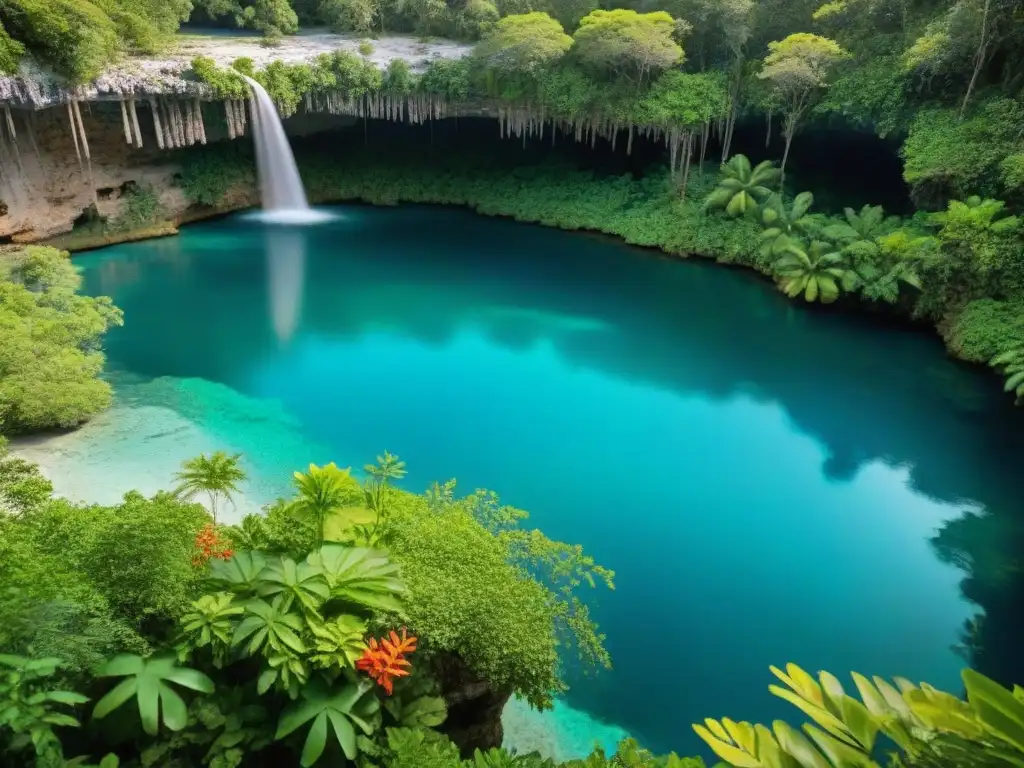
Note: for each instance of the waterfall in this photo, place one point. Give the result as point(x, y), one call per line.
point(280, 186)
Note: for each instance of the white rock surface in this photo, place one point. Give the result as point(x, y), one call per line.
point(35, 87)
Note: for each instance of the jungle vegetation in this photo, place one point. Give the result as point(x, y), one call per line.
point(50, 354)
point(327, 628)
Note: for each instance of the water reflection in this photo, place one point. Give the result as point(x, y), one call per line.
point(869, 396)
point(286, 268)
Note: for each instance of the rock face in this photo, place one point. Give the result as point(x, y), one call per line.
point(68, 153)
point(61, 165)
point(474, 708)
point(50, 176)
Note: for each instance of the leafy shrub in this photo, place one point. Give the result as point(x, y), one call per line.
point(49, 343)
point(986, 328)
point(140, 207)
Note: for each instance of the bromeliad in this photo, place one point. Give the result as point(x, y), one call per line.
point(386, 660)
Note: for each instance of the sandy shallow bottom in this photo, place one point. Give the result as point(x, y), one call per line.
point(154, 425)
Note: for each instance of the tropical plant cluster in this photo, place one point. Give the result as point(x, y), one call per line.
point(50, 353)
point(126, 645)
point(324, 630)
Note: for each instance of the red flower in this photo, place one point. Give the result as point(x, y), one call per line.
point(386, 660)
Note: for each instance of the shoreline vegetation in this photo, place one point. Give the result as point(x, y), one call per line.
point(351, 620)
point(647, 211)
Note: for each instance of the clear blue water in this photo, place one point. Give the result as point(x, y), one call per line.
point(764, 479)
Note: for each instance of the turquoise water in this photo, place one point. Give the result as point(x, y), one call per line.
point(764, 479)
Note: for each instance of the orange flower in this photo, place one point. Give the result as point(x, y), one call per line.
point(210, 544)
point(386, 660)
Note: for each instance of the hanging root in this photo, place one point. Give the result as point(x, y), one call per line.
point(125, 123)
point(134, 115)
point(158, 128)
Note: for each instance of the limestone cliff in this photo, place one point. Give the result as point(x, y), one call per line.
point(71, 152)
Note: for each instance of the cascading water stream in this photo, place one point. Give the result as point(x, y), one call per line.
point(284, 202)
point(280, 185)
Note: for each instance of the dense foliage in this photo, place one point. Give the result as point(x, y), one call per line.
point(50, 357)
point(326, 627)
point(134, 635)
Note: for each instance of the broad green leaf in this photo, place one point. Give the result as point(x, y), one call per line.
point(361, 576)
point(189, 678)
point(316, 740)
point(175, 712)
point(840, 753)
point(148, 696)
point(822, 717)
point(796, 744)
point(732, 755)
point(122, 665)
point(344, 732)
point(115, 698)
point(997, 708)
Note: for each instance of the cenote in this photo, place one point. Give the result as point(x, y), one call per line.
point(765, 480)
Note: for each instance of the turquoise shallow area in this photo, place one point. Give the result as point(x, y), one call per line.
point(764, 479)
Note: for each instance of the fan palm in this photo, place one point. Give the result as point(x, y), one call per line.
point(742, 187)
point(322, 492)
point(781, 226)
point(859, 233)
point(217, 475)
point(817, 272)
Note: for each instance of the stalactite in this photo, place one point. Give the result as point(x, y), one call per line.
point(183, 131)
point(81, 131)
point(165, 117)
point(85, 146)
point(230, 117)
point(124, 123)
point(30, 125)
point(16, 151)
point(190, 121)
point(157, 127)
point(134, 115)
point(74, 133)
point(6, 177)
point(200, 124)
point(10, 124)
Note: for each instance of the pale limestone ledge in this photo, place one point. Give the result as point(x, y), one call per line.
point(35, 88)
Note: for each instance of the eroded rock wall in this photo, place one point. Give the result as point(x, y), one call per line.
point(63, 164)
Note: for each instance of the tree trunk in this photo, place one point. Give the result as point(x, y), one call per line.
point(788, 133)
point(979, 58)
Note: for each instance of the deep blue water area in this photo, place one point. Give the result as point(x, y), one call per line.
point(764, 479)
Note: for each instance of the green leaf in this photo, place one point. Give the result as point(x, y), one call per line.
point(732, 755)
point(796, 744)
point(266, 680)
point(359, 575)
point(345, 733)
point(115, 698)
point(189, 678)
point(316, 740)
point(997, 708)
point(66, 697)
point(175, 713)
point(148, 696)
